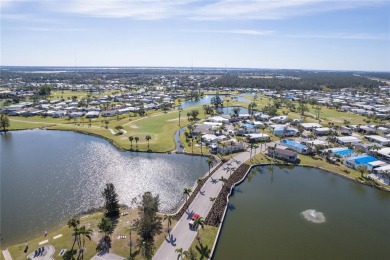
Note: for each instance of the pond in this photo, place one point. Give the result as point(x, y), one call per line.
point(304, 213)
point(48, 176)
point(207, 99)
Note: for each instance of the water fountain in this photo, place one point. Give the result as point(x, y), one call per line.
point(313, 216)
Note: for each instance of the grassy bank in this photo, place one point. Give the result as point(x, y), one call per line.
point(203, 246)
point(161, 127)
point(319, 162)
point(118, 246)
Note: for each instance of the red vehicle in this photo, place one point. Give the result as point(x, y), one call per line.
point(194, 217)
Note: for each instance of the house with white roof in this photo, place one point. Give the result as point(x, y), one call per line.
point(378, 139)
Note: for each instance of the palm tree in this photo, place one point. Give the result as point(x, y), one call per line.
point(224, 180)
point(148, 137)
point(180, 253)
point(210, 163)
point(187, 192)
point(130, 229)
point(199, 221)
point(74, 223)
point(200, 141)
point(223, 147)
point(231, 146)
point(180, 110)
point(169, 219)
point(136, 141)
point(131, 138)
point(84, 232)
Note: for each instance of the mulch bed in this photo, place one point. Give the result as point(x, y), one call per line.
point(216, 213)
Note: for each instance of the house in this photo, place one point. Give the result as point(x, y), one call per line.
point(367, 129)
point(76, 114)
point(109, 113)
point(283, 154)
point(257, 137)
point(58, 114)
point(316, 142)
point(92, 114)
point(228, 147)
point(340, 152)
point(258, 124)
point(384, 153)
point(345, 130)
point(367, 161)
point(218, 119)
point(367, 147)
point(279, 119)
point(286, 131)
point(378, 139)
point(310, 126)
point(292, 145)
point(343, 140)
point(321, 130)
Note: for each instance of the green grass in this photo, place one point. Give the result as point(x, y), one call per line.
point(204, 246)
point(119, 246)
point(319, 162)
point(160, 126)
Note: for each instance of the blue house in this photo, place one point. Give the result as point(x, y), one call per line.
point(292, 145)
point(368, 161)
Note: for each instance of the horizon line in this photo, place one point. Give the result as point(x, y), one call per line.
point(187, 67)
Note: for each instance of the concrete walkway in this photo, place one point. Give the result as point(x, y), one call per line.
point(108, 256)
point(6, 254)
point(181, 235)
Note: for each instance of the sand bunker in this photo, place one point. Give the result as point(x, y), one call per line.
point(313, 216)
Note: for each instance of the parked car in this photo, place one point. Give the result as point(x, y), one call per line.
point(192, 221)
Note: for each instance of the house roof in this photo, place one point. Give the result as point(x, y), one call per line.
point(283, 151)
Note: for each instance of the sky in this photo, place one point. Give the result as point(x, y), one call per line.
point(286, 34)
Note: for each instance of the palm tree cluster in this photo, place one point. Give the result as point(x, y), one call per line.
point(79, 234)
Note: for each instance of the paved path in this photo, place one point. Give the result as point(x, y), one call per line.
point(181, 236)
point(6, 254)
point(108, 256)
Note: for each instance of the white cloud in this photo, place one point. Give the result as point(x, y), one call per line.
point(137, 9)
point(270, 10)
point(49, 29)
point(194, 9)
point(345, 36)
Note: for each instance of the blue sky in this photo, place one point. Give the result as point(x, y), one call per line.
point(307, 34)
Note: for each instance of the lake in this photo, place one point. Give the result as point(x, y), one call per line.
point(304, 213)
point(48, 176)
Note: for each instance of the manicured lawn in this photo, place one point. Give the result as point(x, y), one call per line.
point(160, 126)
point(118, 246)
point(204, 246)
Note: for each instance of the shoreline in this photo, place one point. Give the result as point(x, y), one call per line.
point(233, 185)
point(184, 205)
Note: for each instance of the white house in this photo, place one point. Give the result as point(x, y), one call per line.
point(347, 140)
point(257, 137)
point(322, 131)
point(280, 119)
point(378, 139)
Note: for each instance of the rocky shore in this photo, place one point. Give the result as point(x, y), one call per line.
point(215, 215)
